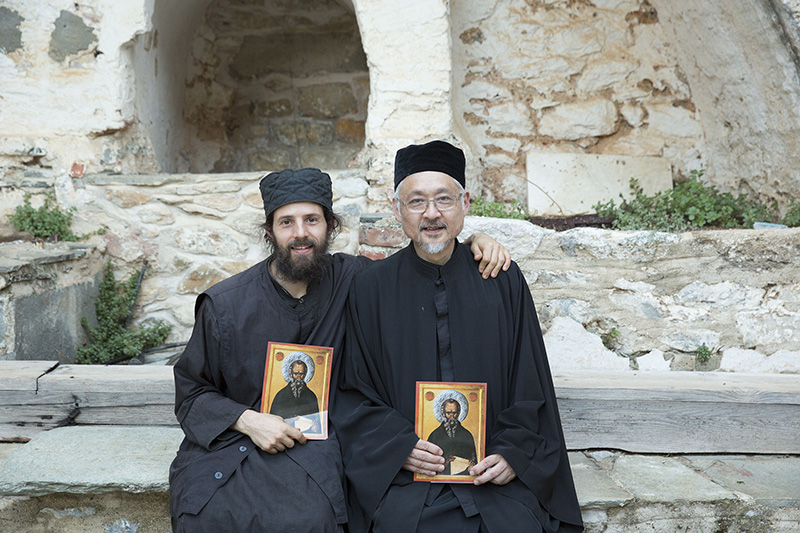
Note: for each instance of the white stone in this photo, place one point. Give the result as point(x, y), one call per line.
point(568, 184)
point(689, 340)
point(604, 75)
point(579, 311)
point(571, 347)
point(634, 286)
point(653, 361)
point(633, 114)
point(641, 305)
point(769, 329)
point(351, 187)
point(592, 118)
point(753, 361)
point(673, 121)
point(725, 294)
point(510, 118)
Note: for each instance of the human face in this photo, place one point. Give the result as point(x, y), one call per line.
point(432, 231)
point(298, 371)
point(450, 410)
point(299, 237)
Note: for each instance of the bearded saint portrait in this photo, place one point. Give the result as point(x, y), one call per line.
point(296, 398)
point(456, 441)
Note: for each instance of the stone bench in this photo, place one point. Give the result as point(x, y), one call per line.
point(111, 437)
point(635, 411)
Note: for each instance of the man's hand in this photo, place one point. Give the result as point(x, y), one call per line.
point(269, 432)
point(425, 458)
point(493, 469)
point(492, 255)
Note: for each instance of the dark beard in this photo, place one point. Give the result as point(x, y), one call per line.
point(297, 386)
point(301, 269)
point(450, 425)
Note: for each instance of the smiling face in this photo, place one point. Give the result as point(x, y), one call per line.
point(299, 237)
point(433, 231)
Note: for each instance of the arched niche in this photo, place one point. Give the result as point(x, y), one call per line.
point(243, 85)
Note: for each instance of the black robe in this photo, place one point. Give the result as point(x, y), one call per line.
point(220, 481)
point(495, 336)
point(461, 444)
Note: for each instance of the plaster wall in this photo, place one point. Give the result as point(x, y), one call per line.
point(66, 90)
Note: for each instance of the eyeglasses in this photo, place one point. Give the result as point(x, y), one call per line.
point(443, 203)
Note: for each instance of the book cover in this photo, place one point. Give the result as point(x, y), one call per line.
point(297, 385)
point(452, 416)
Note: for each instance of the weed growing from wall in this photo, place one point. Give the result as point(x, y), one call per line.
point(46, 221)
point(111, 339)
point(482, 208)
point(689, 205)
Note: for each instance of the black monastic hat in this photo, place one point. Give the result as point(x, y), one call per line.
point(289, 186)
point(436, 155)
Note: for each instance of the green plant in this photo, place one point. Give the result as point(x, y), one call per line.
point(46, 221)
point(111, 339)
point(792, 216)
point(482, 208)
point(703, 353)
point(609, 338)
point(689, 205)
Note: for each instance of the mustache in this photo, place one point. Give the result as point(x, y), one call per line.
point(432, 225)
point(299, 243)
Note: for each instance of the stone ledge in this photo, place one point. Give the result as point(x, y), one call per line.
point(612, 487)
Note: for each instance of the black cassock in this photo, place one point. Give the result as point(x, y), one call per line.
point(495, 337)
point(220, 481)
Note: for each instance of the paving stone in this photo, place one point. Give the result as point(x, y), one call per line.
point(771, 481)
point(595, 489)
point(88, 459)
point(663, 479)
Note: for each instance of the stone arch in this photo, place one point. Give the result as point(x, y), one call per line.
point(238, 85)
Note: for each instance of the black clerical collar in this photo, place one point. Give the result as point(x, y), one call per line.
point(433, 271)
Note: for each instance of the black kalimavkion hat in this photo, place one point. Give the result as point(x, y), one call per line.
point(439, 156)
point(289, 186)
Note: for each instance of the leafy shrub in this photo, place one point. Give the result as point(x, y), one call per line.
point(111, 339)
point(689, 205)
point(482, 208)
point(792, 216)
point(46, 221)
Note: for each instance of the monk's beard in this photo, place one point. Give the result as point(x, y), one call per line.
point(297, 386)
point(450, 425)
point(432, 248)
point(306, 269)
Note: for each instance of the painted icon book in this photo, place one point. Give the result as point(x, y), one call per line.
point(453, 417)
point(297, 385)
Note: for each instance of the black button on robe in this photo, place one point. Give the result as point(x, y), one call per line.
point(495, 336)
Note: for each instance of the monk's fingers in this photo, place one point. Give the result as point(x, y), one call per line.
point(487, 462)
point(422, 467)
point(427, 447)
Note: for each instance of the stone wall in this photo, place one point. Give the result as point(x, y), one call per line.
point(275, 85)
point(237, 85)
point(647, 300)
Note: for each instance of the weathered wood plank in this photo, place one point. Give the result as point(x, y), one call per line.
point(680, 427)
point(14, 433)
point(23, 375)
point(145, 415)
point(87, 378)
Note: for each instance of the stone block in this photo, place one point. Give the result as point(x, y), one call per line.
point(570, 184)
point(330, 100)
point(573, 121)
point(299, 54)
point(48, 324)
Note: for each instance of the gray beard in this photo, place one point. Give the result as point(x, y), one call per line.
point(297, 386)
point(450, 425)
point(429, 248)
